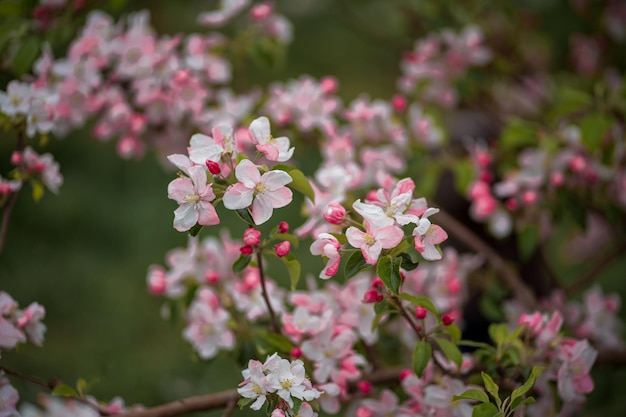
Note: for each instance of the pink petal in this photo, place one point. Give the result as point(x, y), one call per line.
point(207, 216)
point(269, 150)
point(356, 237)
point(179, 188)
point(247, 173)
point(182, 162)
point(198, 176)
point(261, 209)
point(371, 253)
point(280, 197)
point(276, 179)
point(238, 196)
point(185, 217)
point(389, 237)
point(260, 130)
point(435, 235)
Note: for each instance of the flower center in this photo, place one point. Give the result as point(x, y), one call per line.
point(257, 390)
point(208, 329)
point(286, 383)
point(192, 198)
point(260, 188)
point(369, 240)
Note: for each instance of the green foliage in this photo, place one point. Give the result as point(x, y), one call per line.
point(388, 270)
point(293, 267)
point(421, 356)
point(241, 263)
point(355, 264)
point(300, 182)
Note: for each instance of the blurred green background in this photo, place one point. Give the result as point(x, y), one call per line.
point(84, 253)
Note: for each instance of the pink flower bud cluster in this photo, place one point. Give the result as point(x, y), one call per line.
point(17, 326)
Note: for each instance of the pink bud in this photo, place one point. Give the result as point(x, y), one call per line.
point(447, 319)
point(577, 163)
point(372, 296)
point(5, 188)
point(377, 283)
point(283, 227)
point(214, 167)
point(278, 413)
point(16, 158)
point(334, 213)
point(157, 282)
point(282, 249)
point(511, 204)
point(251, 236)
point(260, 12)
point(529, 197)
point(405, 373)
point(364, 387)
point(296, 352)
point(245, 250)
point(211, 277)
point(420, 312)
point(399, 103)
point(329, 85)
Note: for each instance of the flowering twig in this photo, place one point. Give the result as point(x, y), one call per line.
point(225, 398)
point(509, 276)
point(274, 327)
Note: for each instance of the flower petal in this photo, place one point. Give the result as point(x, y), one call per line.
point(238, 196)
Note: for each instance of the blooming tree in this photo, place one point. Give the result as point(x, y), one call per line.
point(315, 337)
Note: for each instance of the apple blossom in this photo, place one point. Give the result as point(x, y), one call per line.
point(374, 240)
point(274, 149)
point(194, 196)
point(261, 193)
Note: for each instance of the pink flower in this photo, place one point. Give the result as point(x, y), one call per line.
point(573, 377)
point(374, 240)
point(274, 149)
point(327, 245)
point(194, 196)
point(262, 193)
point(334, 213)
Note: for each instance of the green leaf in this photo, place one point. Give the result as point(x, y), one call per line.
point(341, 238)
point(356, 263)
point(25, 55)
point(527, 241)
point(278, 341)
point(463, 175)
point(521, 401)
point(195, 230)
point(38, 190)
point(64, 390)
point(295, 242)
point(241, 263)
point(593, 128)
point(420, 300)
point(485, 410)
point(293, 267)
point(534, 374)
point(240, 157)
point(300, 182)
point(81, 384)
point(491, 387)
point(499, 333)
point(421, 356)
point(472, 394)
point(244, 401)
point(569, 100)
point(244, 215)
point(451, 351)
point(388, 270)
point(454, 332)
point(471, 343)
point(518, 134)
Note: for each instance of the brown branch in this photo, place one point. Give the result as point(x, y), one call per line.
point(274, 327)
point(509, 276)
point(592, 275)
point(10, 204)
point(226, 398)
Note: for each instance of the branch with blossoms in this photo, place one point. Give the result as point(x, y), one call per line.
point(558, 159)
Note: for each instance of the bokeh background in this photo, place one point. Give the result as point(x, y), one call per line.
point(84, 253)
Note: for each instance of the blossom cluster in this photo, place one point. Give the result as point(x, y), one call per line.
point(281, 379)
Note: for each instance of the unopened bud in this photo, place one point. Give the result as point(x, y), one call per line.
point(296, 352)
point(211, 277)
point(372, 296)
point(364, 387)
point(334, 213)
point(447, 319)
point(328, 85)
point(283, 227)
point(399, 103)
point(246, 250)
point(282, 249)
point(420, 312)
point(251, 236)
point(214, 167)
point(16, 158)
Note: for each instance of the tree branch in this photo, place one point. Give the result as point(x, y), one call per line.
point(10, 204)
point(591, 276)
point(274, 327)
point(509, 276)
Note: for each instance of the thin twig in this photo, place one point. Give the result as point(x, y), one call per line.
point(229, 408)
point(509, 276)
point(406, 317)
point(10, 204)
point(593, 274)
point(274, 327)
